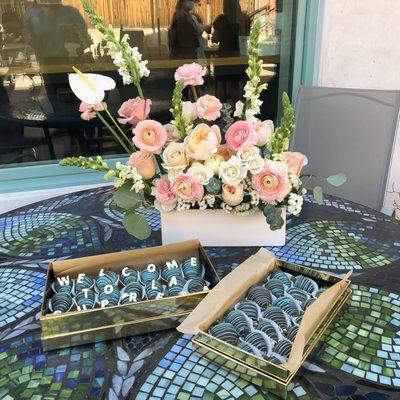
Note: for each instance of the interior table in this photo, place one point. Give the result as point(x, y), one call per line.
point(357, 359)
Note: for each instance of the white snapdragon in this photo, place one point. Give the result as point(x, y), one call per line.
point(232, 172)
point(239, 107)
point(124, 173)
point(295, 204)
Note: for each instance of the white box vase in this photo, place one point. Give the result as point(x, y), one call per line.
point(216, 228)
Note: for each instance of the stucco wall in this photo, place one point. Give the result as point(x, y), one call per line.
point(360, 48)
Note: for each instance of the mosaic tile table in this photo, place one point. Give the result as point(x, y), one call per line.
point(358, 359)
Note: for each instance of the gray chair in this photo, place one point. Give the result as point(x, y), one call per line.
point(350, 131)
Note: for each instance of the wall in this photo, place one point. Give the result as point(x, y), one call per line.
point(360, 48)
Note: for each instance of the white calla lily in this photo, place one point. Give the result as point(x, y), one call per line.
point(90, 88)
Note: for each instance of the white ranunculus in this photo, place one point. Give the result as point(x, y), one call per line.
point(90, 88)
point(174, 156)
point(255, 164)
point(248, 152)
point(232, 172)
point(201, 172)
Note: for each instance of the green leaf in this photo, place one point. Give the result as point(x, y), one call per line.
point(318, 195)
point(337, 180)
point(137, 225)
point(126, 198)
point(277, 223)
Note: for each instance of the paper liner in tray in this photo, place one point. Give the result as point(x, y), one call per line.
point(233, 288)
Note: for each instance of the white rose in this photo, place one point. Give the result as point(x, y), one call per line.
point(255, 164)
point(248, 152)
point(172, 133)
point(264, 131)
point(232, 171)
point(174, 159)
point(189, 110)
point(201, 172)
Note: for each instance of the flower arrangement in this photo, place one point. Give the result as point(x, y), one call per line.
point(203, 159)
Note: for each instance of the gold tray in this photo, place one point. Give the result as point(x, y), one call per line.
point(79, 327)
point(269, 376)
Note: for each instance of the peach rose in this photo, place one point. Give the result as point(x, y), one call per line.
point(272, 183)
point(189, 110)
point(240, 135)
point(134, 110)
point(232, 195)
point(89, 110)
point(144, 162)
point(150, 136)
point(264, 131)
point(203, 142)
point(209, 107)
point(192, 74)
point(225, 152)
point(188, 188)
point(295, 161)
point(165, 197)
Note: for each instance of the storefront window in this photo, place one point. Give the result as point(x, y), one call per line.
point(41, 41)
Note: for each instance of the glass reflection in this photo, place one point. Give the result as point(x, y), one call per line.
point(40, 41)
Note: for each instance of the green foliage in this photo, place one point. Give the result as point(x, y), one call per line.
point(177, 110)
point(279, 141)
point(137, 225)
point(273, 215)
point(126, 198)
point(214, 186)
point(318, 195)
point(337, 179)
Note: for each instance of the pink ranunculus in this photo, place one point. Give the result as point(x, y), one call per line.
point(134, 110)
point(264, 131)
point(203, 142)
point(188, 188)
point(272, 183)
point(209, 107)
point(165, 198)
point(150, 136)
point(189, 110)
point(192, 74)
point(144, 162)
point(295, 161)
point(89, 110)
point(240, 135)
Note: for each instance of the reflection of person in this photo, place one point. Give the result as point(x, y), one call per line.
point(184, 32)
point(227, 29)
point(58, 34)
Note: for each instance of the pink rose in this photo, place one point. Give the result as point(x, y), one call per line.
point(165, 197)
point(295, 161)
point(240, 135)
point(202, 142)
point(192, 74)
point(264, 131)
point(232, 195)
point(144, 162)
point(209, 107)
point(89, 110)
point(134, 110)
point(272, 183)
point(189, 110)
point(150, 136)
point(188, 188)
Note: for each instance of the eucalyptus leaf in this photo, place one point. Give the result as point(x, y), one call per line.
point(277, 223)
point(337, 179)
point(137, 225)
point(126, 198)
point(318, 195)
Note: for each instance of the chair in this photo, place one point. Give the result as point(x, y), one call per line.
point(350, 131)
